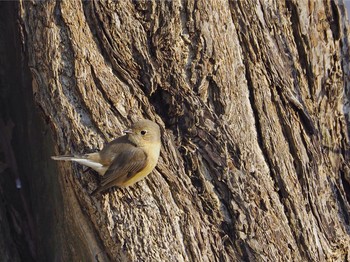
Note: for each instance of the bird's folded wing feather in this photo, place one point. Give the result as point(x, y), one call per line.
point(124, 166)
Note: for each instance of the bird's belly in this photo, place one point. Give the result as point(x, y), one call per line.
point(137, 177)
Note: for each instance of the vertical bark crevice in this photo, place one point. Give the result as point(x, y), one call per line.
point(302, 45)
point(334, 19)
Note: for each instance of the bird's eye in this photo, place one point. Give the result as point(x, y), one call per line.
point(143, 132)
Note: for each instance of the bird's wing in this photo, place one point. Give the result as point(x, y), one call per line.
point(123, 167)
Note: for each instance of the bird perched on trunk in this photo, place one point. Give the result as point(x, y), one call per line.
point(125, 160)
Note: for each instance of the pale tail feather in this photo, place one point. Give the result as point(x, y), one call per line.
point(83, 161)
point(66, 157)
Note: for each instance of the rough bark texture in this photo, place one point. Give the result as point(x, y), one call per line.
point(252, 97)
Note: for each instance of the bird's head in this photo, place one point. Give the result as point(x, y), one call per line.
point(143, 133)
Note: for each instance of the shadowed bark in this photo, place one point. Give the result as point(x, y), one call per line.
point(252, 100)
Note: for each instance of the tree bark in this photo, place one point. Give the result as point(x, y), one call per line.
point(252, 99)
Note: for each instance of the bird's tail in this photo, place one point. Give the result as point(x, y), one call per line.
point(68, 157)
point(91, 160)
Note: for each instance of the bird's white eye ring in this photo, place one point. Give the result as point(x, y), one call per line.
point(143, 132)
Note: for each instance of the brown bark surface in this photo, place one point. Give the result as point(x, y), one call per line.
point(252, 98)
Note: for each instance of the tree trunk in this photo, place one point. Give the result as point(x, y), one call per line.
point(252, 99)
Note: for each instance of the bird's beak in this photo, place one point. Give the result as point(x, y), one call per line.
point(128, 131)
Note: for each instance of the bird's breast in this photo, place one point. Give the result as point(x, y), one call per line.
point(151, 162)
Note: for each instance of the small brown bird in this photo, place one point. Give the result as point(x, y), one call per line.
point(125, 160)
